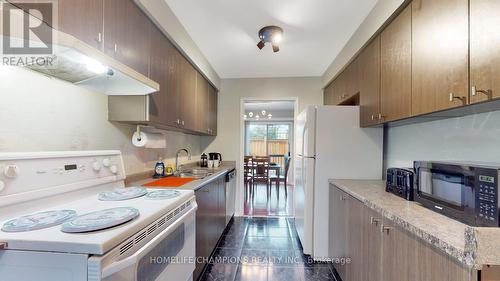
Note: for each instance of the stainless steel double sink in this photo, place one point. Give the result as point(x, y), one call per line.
point(194, 173)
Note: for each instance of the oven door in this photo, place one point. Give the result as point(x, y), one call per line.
point(447, 189)
point(170, 255)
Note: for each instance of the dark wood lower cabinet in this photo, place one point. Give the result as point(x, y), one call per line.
point(380, 250)
point(210, 220)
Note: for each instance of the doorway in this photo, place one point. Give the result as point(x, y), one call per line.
point(268, 144)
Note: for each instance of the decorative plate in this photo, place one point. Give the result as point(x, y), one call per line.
point(100, 220)
point(162, 194)
point(120, 194)
point(38, 221)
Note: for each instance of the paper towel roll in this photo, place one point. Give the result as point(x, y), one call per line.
point(149, 140)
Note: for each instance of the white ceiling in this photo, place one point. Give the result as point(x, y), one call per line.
point(315, 31)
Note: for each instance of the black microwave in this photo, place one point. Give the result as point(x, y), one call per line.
point(467, 192)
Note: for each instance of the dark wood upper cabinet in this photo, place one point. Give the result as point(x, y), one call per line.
point(185, 101)
point(484, 49)
point(187, 92)
point(339, 88)
point(126, 34)
point(328, 98)
point(439, 54)
point(202, 105)
point(83, 19)
point(352, 78)
point(212, 112)
point(369, 83)
point(159, 66)
point(395, 82)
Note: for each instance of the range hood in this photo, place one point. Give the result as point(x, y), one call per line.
point(76, 62)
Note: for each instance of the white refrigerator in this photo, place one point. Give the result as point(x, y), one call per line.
point(329, 144)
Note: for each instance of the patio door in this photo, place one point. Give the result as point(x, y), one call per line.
point(272, 139)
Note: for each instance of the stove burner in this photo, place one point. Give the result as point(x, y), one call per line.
point(100, 220)
point(120, 194)
point(162, 194)
point(38, 221)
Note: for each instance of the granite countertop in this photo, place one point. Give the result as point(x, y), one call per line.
point(472, 246)
point(225, 167)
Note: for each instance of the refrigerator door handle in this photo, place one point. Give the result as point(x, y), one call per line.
point(308, 157)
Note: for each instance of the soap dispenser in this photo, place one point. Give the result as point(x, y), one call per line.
point(159, 169)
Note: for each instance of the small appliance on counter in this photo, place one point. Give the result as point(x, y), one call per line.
point(400, 182)
point(467, 192)
point(159, 169)
point(214, 159)
point(204, 161)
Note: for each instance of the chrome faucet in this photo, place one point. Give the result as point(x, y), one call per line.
point(177, 157)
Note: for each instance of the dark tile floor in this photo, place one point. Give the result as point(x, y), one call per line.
point(261, 203)
point(257, 249)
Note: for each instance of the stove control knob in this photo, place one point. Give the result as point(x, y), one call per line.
point(96, 166)
point(2, 186)
point(113, 169)
point(105, 162)
point(11, 171)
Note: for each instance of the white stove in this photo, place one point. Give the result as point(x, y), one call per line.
point(152, 226)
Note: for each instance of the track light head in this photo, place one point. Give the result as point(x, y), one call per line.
point(270, 34)
point(276, 48)
point(261, 44)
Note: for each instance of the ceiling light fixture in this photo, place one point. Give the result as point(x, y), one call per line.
point(270, 34)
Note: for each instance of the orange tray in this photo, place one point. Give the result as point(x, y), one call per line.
point(169, 182)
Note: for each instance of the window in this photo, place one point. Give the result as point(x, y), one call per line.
point(268, 139)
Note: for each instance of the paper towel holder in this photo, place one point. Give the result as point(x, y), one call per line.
point(139, 132)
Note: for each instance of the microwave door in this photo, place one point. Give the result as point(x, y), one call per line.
point(448, 188)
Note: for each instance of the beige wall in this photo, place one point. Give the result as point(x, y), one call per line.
point(375, 19)
point(39, 113)
point(307, 91)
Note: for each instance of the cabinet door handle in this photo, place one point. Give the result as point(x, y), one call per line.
point(488, 93)
point(385, 229)
point(380, 116)
point(99, 37)
point(374, 221)
point(182, 122)
point(342, 198)
point(116, 48)
point(373, 117)
point(462, 99)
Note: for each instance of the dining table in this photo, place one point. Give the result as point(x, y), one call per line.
point(271, 166)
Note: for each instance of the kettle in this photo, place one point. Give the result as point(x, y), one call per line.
point(204, 161)
point(215, 156)
point(215, 159)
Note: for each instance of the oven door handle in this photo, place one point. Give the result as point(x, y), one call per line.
point(128, 261)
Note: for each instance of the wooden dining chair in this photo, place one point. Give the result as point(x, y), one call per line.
point(248, 170)
point(261, 173)
point(278, 179)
